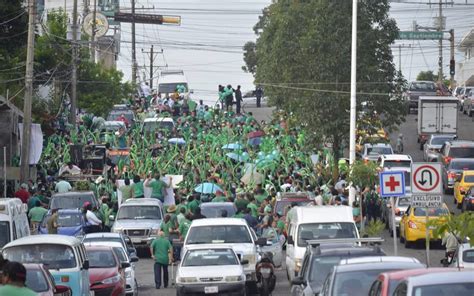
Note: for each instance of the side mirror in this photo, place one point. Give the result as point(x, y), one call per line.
point(290, 240)
point(62, 290)
point(261, 241)
point(111, 217)
point(85, 265)
point(124, 265)
point(298, 281)
point(244, 262)
point(134, 259)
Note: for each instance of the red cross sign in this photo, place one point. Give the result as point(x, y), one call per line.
point(392, 184)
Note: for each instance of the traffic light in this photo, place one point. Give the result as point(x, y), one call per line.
point(452, 67)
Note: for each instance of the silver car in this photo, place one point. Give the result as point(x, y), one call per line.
point(371, 152)
point(401, 206)
point(433, 146)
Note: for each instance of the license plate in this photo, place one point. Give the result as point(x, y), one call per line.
point(265, 270)
point(211, 290)
point(136, 240)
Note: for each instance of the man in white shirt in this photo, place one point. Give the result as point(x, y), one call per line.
point(70, 169)
point(62, 186)
point(94, 223)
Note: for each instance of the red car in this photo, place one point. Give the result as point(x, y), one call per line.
point(106, 272)
point(387, 282)
point(40, 280)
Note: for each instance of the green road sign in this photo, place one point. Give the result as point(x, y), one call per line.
point(418, 35)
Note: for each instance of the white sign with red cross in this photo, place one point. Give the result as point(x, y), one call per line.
point(392, 184)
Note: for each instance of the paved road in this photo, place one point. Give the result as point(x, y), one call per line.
point(466, 131)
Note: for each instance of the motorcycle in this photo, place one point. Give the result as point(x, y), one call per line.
point(448, 258)
point(266, 279)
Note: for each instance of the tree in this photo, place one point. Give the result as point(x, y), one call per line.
point(461, 225)
point(303, 62)
point(426, 76)
point(250, 58)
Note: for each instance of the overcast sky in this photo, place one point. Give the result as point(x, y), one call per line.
point(208, 44)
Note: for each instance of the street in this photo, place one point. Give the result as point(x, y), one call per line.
point(408, 129)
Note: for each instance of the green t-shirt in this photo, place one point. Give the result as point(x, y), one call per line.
point(239, 215)
point(137, 189)
point(161, 247)
point(157, 188)
point(193, 205)
point(254, 209)
point(9, 290)
point(32, 202)
point(241, 203)
point(260, 198)
point(184, 227)
point(219, 199)
point(36, 214)
point(281, 225)
point(166, 227)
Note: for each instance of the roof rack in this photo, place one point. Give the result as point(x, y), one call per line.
point(317, 242)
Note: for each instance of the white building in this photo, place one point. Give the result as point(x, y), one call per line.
point(465, 69)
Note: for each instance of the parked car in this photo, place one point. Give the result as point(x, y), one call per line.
point(462, 185)
point(106, 272)
point(106, 237)
point(455, 149)
point(454, 170)
point(464, 257)
point(397, 163)
point(71, 222)
point(318, 260)
point(73, 200)
point(413, 223)
point(467, 98)
point(433, 146)
point(209, 269)
point(417, 89)
point(353, 276)
point(40, 280)
point(463, 92)
point(439, 284)
point(387, 282)
point(153, 125)
point(401, 206)
point(13, 220)
point(140, 219)
point(127, 113)
point(218, 209)
point(468, 200)
point(372, 152)
point(284, 200)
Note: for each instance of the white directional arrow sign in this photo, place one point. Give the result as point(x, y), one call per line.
point(426, 179)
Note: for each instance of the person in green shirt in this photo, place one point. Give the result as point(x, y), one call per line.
point(240, 202)
point(166, 225)
point(193, 204)
point(137, 187)
point(14, 278)
point(162, 252)
point(253, 207)
point(239, 214)
point(126, 190)
point(36, 215)
point(220, 197)
point(105, 212)
point(157, 186)
point(184, 227)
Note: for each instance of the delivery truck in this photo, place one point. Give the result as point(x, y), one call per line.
point(437, 115)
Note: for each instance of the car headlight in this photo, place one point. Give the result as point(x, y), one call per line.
point(297, 265)
point(128, 274)
point(117, 230)
point(154, 231)
point(186, 279)
point(237, 278)
point(112, 280)
point(250, 258)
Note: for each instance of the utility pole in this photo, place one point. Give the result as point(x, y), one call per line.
point(72, 118)
point(452, 62)
point(353, 108)
point(94, 28)
point(152, 59)
point(25, 143)
point(134, 54)
point(440, 29)
point(400, 58)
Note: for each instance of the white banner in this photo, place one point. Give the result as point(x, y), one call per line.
point(36, 142)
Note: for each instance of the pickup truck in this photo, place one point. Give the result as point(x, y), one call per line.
point(416, 89)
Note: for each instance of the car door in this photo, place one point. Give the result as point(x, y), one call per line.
point(290, 252)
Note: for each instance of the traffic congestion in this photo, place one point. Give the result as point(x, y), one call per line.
point(211, 201)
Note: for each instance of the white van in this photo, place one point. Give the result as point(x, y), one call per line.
point(316, 222)
point(169, 81)
point(13, 220)
point(227, 232)
point(152, 125)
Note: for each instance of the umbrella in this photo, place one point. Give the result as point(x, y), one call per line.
point(237, 157)
point(177, 141)
point(254, 141)
point(232, 146)
point(207, 188)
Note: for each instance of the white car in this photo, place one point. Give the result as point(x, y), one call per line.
point(397, 163)
point(465, 257)
point(371, 152)
point(437, 283)
point(210, 269)
point(131, 286)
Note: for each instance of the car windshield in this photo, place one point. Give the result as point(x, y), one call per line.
point(379, 150)
point(397, 164)
point(36, 280)
point(356, 283)
point(102, 239)
point(214, 234)
point(120, 253)
point(458, 289)
point(468, 256)
point(139, 212)
point(320, 268)
point(423, 86)
point(434, 212)
point(114, 115)
point(66, 220)
point(216, 211)
point(282, 206)
point(440, 140)
point(461, 152)
point(210, 257)
point(101, 259)
point(166, 88)
point(462, 165)
point(53, 256)
point(152, 126)
point(325, 231)
point(404, 202)
point(71, 201)
point(469, 179)
point(4, 233)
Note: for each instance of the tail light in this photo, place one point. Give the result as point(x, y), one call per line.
point(447, 159)
point(412, 225)
point(451, 175)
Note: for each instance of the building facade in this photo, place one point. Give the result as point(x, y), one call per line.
point(465, 72)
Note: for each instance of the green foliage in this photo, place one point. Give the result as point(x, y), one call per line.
point(250, 57)
point(461, 225)
point(426, 76)
point(363, 174)
point(303, 54)
point(374, 228)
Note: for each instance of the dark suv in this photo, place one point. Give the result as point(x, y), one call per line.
point(320, 258)
point(417, 89)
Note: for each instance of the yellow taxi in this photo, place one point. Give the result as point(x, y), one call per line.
point(413, 223)
point(462, 185)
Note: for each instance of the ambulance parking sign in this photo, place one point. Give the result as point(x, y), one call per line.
point(392, 184)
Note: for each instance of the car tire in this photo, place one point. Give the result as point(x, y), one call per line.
point(408, 244)
point(459, 205)
point(402, 239)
